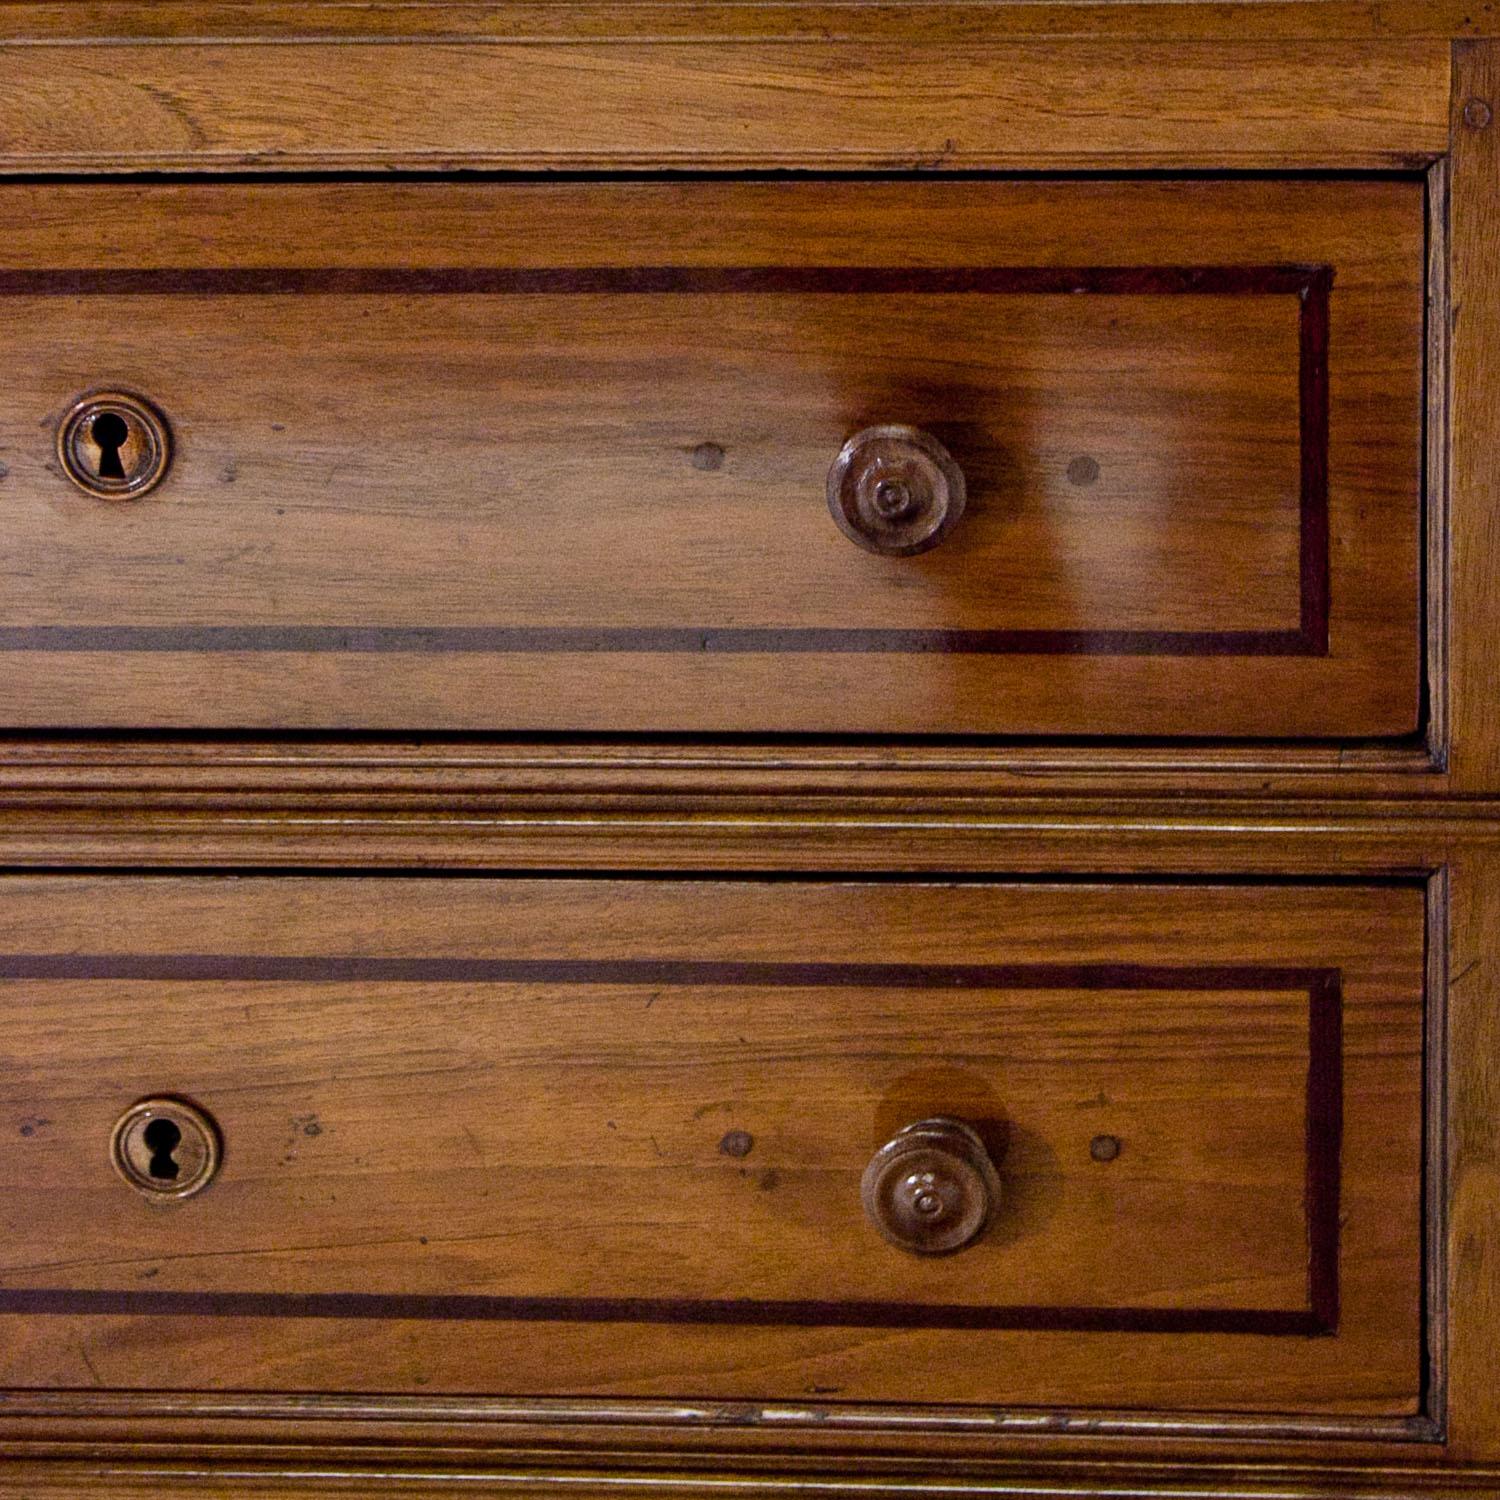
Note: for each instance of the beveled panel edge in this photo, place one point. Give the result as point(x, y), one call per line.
point(721, 1419)
point(1437, 499)
point(1437, 1152)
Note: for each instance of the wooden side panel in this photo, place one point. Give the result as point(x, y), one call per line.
point(1473, 1190)
point(553, 458)
point(474, 1138)
point(1474, 416)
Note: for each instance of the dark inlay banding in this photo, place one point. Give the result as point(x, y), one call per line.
point(1311, 284)
point(1323, 1128)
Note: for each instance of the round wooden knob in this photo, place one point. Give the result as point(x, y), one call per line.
point(932, 1188)
point(895, 490)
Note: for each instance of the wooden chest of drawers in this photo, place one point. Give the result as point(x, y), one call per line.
point(750, 748)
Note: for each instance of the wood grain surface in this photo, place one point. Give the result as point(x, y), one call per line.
point(474, 1138)
point(552, 458)
point(904, 103)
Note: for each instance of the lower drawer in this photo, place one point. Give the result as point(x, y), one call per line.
point(577, 1137)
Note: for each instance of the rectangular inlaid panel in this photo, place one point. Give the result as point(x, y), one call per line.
point(586, 1137)
point(505, 457)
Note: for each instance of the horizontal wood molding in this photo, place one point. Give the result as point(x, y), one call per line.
point(243, 772)
point(166, 1481)
point(1015, 835)
point(906, 105)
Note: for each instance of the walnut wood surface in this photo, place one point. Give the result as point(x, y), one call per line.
point(1142, 551)
point(417, 1134)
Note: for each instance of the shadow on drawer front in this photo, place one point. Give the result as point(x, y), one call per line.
point(562, 457)
point(675, 1138)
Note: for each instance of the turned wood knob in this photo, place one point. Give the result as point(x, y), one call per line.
point(932, 1188)
point(895, 490)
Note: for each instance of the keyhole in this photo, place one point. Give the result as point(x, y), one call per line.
point(110, 430)
point(162, 1137)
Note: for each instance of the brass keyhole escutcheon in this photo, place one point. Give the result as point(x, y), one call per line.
point(114, 445)
point(165, 1148)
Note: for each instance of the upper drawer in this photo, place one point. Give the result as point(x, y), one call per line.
point(556, 457)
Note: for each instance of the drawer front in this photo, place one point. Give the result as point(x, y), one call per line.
point(582, 1137)
point(556, 457)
